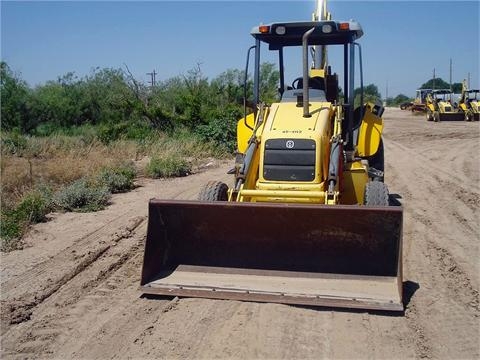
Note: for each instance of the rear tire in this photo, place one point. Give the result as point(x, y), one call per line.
point(376, 194)
point(214, 191)
point(436, 116)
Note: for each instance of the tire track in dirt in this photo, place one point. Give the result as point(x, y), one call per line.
point(88, 294)
point(441, 236)
point(38, 281)
point(84, 280)
point(454, 175)
point(49, 277)
point(9, 286)
point(431, 194)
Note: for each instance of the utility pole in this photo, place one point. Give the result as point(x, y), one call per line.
point(433, 86)
point(386, 94)
point(152, 77)
point(451, 74)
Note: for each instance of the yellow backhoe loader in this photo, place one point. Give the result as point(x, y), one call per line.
point(419, 104)
point(469, 103)
point(440, 107)
point(309, 219)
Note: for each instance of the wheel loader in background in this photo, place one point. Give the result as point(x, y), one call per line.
point(308, 219)
point(469, 103)
point(440, 106)
point(419, 104)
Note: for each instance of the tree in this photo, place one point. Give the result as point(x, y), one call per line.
point(269, 78)
point(117, 102)
point(107, 96)
point(14, 99)
point(398, 100)
point(457, 88)
point(195, 97)
point(228, 87)
point(439, 83)
point(370, 94)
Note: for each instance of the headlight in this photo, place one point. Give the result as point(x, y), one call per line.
point(327, 28)
point(280, 30)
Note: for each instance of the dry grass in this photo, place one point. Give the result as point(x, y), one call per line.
point(59, 160)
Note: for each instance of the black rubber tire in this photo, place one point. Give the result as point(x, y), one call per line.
point(376, 194)
point(436, 116)
point(429, 115)
point(214, 191)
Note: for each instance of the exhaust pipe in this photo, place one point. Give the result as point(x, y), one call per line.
point(306, 98)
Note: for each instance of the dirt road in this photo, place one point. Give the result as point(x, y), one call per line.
point(73, 291)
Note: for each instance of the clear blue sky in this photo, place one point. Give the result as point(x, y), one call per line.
point(403, 41)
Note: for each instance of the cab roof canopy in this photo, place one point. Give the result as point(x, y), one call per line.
point(278, 35)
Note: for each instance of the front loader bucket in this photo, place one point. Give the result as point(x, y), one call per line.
point(335, 256)
point(452, 116)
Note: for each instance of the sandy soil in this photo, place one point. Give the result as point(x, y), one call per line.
point(73, 291)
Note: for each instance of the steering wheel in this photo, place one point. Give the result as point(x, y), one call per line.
point(313, 82)
point(296, 81)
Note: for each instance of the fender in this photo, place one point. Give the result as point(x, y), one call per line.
point(370, 133)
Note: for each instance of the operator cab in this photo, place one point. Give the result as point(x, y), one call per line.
point(318, 83)
point(313, 33)
point(442, 95)
point(473, 95)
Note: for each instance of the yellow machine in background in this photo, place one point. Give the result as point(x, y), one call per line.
point(308, 219)
point(419, 104)
point(440, 106)
point(469, 103)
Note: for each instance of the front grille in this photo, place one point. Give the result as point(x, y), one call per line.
point(448, 108)
point(289, 160)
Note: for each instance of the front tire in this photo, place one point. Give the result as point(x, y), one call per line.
point(214, 191)
point(429, 115)
point(376, 194)
point(377, 161)
point(468, 116)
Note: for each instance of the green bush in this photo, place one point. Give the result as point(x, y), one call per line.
point(82, 196)
point(125, 130)
point(168, 166)
point(138, 131)
point(11, 231)
point(86, 131)
point(45, 129)
point(117, 180)
point(31, 209)
point(13, 142)
point(111, 132)
point(221, 129)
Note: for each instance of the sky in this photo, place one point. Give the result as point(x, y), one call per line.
point(403, 40)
